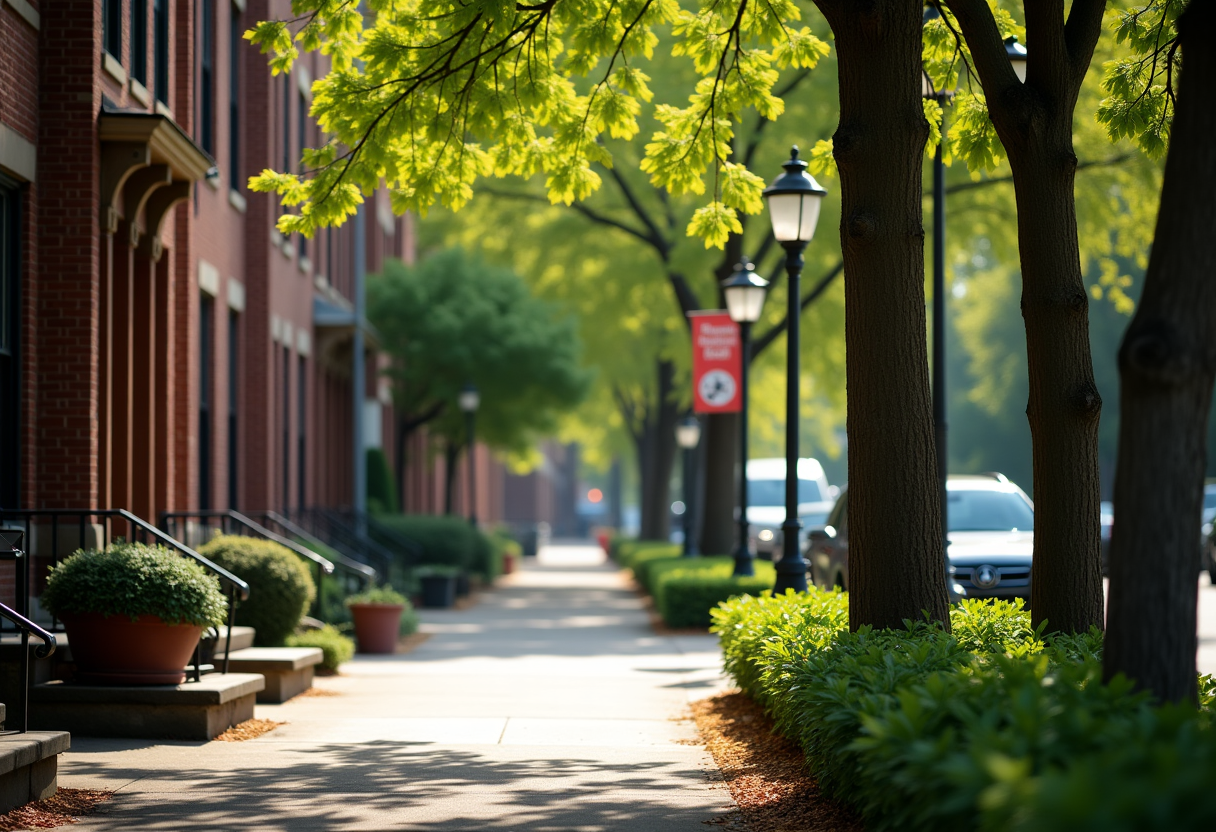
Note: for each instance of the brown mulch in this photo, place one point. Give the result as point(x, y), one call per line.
point(407, 643)
point(765, 772)
point(67, 806)
point(248, 730)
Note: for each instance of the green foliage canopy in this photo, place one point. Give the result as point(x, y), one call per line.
point(454, 320)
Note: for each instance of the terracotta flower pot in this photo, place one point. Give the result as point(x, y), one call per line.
point(508, 563)
point(115, 650)
point(376, 626)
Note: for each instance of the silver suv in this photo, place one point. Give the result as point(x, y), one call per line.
point(991, 534)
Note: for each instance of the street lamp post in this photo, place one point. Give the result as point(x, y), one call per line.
point(744, 291)
point(688, 434)
point(794, 200)
point(469, 400)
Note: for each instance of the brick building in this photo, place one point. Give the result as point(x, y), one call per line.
point(162, 346)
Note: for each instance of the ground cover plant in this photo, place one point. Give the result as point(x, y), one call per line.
point(993, 726)
point(336, 649)
point(280, 586)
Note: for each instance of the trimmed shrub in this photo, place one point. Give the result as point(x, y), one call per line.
point(280, 587)
point(687, 589)
point(381, 490)
point(336, 648)
point(629, 549)
point(134, 579)
point(642, 557)
point(991, 726)
point(447, 541)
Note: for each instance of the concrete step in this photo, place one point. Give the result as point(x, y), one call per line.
point(189, 711)
point(242, 639)
point(288, 670)
point(29, 766)
point(1, 713)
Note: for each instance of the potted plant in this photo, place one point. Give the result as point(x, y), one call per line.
point(377, 617)
point(438, 585)
point(133, 613)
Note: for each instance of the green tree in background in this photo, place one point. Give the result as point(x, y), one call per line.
point(453, 320)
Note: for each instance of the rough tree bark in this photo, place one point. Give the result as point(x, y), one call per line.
point(1034, 121)
point(895, 539)
point(656, 449)
point(1167, 363)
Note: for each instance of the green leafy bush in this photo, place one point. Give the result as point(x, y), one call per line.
point(378, 595)
point(686, 589)
point(336, 648)
point(280, 587)
point(990, 727)
point(447, 541)
point(629, 550)
point(381, 490)
point(134, 579)
point(642, 556)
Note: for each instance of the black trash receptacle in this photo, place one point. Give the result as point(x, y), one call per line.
point(438, 591)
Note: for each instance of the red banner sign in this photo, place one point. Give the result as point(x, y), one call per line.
point(716, 363)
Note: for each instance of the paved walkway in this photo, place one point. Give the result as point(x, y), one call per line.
point(551, 706)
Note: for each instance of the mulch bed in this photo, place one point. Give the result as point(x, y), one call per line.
point(766, 773)
point(322, 692)
point(248, 730)
point(406, 644)
point(67, 806)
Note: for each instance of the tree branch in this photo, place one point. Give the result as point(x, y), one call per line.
point(761, 343)
point(960, 187)
point(1081, 33)
point(660, 241)
point(589, 213)
point(987, 51)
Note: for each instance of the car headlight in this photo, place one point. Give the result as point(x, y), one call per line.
point(766, 535)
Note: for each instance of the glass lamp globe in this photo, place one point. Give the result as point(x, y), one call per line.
point(1017, 56)
point(793, 202)
point(688, 432)
point(744, 291)
point(469, 399)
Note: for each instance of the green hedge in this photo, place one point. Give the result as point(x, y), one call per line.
point(448, 541)
point(280, 586)
point(990, 727)
point(686, 589)
point(381, 490)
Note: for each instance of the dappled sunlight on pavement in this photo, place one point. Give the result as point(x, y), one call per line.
point(548, 705)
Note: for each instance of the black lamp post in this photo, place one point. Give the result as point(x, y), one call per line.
point(744, 291)
point(794, 200)
point(688, 435)
point(469, 400)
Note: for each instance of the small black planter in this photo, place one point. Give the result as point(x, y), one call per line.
point(462, 585)
point(438, 591)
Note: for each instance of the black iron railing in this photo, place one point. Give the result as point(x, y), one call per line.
point(197, 527)
point(358, 576)
point(338, 533)
point(408, 552)
point(12, 548)
point(53, 534)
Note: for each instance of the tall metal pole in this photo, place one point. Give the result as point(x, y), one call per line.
point(743, 552)
point(690, 496)
point(791, 569)
point(471, 418)
point(358, 381)
point(939, 337)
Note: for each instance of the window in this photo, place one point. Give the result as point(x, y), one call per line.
point(234, 99)
point(160, 48)
point(206, 79)
point(988, 511)
point(111, 26)
point(301, 138)
point(234, 389)
point(301, 420)
point(286, 427)
point(286, 123)
point(206, 340)
point(139, 41)
point(10, 368)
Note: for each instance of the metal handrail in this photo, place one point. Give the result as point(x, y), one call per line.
point(247, 523)
point(42, 651)
point(388, 536)
point(336, 532)
point(292, 528)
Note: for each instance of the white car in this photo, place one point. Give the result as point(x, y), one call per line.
point(766, 502)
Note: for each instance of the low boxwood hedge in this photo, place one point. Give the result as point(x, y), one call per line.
point(686, 589)
point(280, 586)
point(447, 541)
point(991, 726)
point(336, 649)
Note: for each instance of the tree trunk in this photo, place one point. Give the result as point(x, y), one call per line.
point(720, 461)
point(451, 456)
point(656, 455)
point(1034, 121)
point(895, 538)
point(1167, 363)
point(403, 435)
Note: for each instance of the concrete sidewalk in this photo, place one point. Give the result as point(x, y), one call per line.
point(549, 706)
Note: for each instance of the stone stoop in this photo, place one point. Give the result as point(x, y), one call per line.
point(242, 638)
point(29, 766)
point(288, 670)
point(189, 711)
